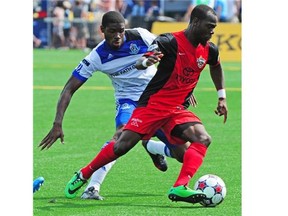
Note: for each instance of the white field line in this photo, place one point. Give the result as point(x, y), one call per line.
point(111, 88)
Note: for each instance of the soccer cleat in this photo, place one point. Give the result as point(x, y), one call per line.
point(74, 185)
point(185, 194)
point(91, 193)
point(37, 183)
point(158, 160)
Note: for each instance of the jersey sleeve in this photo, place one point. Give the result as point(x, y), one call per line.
point(161, 43)
point(87, 66)
point(213, 58)
point(147, 36)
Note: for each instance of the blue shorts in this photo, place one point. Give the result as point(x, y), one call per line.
point(124, 110)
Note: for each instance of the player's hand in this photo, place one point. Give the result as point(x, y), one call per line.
point(154, 58)
point(193, 101)
point(222, 108)
point(55, 133)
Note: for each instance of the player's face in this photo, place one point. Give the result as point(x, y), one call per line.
point(114, 34)
point(205, 29)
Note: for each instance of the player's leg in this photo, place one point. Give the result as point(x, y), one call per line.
point(124, 109)
point(92, 190)
point(196, 134)
point(164, 147)
point(159, 149)
point(109, 153)
point(155, 150)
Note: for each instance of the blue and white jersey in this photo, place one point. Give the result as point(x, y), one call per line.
point(119, 65)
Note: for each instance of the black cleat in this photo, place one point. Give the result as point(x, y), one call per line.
point(158, 160)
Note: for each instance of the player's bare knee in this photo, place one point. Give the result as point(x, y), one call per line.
point(205, 139)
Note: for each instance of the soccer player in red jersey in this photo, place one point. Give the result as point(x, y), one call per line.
point(182, 56)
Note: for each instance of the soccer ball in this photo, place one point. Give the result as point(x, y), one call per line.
point(214, 188)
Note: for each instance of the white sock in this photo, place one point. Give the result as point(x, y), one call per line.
point(158, 147)
point(99, 175)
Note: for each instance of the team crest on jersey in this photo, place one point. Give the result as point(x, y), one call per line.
point(134, 48)
point(125, 106)
point(200, 62)
point(110, 56)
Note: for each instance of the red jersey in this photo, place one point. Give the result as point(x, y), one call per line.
point(178, 71)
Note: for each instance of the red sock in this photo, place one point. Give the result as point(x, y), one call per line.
point(105, 156)
point(193, 159)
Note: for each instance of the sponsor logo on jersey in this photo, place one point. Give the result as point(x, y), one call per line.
point(188, 71)
point(123, 71)
point(188, 76)
point(87, 63)
point(200, 62)
point(134, 49)
point(135, 121)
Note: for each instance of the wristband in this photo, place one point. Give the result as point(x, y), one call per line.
point(221, 93)
point(144, 63)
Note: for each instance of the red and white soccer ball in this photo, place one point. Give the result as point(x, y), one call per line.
point(214, 188)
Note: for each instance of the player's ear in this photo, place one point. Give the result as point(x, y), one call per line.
point(195, 21)
point(102, 28)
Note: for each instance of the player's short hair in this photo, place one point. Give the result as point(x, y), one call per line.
point(112, 17)
point(201, 11)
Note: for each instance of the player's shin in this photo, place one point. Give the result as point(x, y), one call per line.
point(99, 175)
point(193, 159)
point(105, 156)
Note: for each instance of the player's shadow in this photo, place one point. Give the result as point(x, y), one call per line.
point(61, 202)
point(103, 204)
point(133, 194)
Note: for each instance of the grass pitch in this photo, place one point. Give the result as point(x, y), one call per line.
point(133, 186)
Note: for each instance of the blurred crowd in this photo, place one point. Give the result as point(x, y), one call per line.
point(75, 23)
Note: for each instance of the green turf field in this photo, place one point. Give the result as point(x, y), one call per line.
point(134, 186)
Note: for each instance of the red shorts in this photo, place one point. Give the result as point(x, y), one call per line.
point(147, 121)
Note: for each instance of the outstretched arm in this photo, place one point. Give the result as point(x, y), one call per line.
point(217, 76)
point(56, 132)
point(145, 62)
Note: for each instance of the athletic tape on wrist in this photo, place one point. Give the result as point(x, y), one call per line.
point(221, 93)
point(144, 63)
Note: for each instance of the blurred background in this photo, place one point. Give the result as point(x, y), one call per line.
point(74, 24)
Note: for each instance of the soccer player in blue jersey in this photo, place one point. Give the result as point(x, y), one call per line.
point(116, 57)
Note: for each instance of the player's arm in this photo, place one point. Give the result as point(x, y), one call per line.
point(152, 56)
point(148, 60)
point(217, 75)
point(65, 97)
